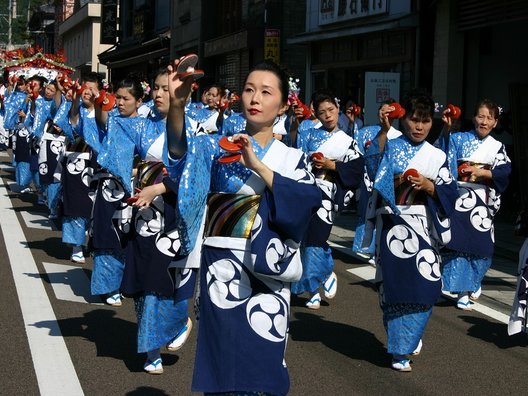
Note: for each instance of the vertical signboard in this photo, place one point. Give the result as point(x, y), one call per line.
point(108, 21)
point(379, 87)
point(272, 45)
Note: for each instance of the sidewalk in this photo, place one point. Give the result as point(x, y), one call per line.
point(500, 282)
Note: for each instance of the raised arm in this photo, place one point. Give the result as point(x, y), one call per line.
point(385, 123)
point(179, 90)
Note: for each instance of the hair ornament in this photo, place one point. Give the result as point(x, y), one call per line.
point(146, 87)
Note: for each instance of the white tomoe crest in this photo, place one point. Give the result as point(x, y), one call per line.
point(480, 219)
point(228, 285)
point(43, 169)
point(267, 314)
point(168, 243)
point(428, 265)
point(75, 165)
point(148, 221)
point(466, 201)
point(112, 190)
point(402, 241)
point(56, 147)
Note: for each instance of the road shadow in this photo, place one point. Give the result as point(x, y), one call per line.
point(113, 337)
point(494, 332)
point(147, 391)
point(53, 247)
point(353, 342)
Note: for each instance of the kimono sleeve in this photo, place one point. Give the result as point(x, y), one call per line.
point(501, 171)
point(284, 215)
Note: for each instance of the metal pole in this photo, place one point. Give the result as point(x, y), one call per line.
point(10, 12)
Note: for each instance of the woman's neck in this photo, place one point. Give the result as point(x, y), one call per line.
point(262, 136)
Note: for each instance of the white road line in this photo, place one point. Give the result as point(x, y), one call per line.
point(70, 283)
point(53, 366)
point(368, 273)
point(37, 220)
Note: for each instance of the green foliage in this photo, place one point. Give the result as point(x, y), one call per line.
point(19, 29)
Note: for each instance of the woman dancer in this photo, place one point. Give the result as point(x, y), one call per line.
point(258, 208)
point(417, 190)
point(162, 316)
point(338, 169)
point(483, 168)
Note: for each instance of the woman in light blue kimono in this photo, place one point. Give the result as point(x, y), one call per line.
point(51, 144)
point(126, 134)
point(413, 194)
point(78, 164)
point(16, 112)
point(482, 167)
point(210, 116)
point(257, 209)
point(338, 169)
point(364, 138)
point(162, 314)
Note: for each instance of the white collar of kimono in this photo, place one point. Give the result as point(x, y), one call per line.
point(336, 146)
point(486, 151)
point(279, 158)
point(428, 160)
point(210, 123)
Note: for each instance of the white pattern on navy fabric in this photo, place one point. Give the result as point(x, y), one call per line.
point(268, 316)
point(112, 191)
point(402, 241)
point(428, 265)
point(228, 284)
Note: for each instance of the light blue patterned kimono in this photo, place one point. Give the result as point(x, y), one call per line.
point(469, 254)
point(76, 172)
point(337, 190)
point(364, 138)
point(111, 215)
point(410, 228)
point(248, 259)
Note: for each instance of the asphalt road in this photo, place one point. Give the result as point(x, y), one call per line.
point(57, 340)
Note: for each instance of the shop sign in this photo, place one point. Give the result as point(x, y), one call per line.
point(108, 21)
point(379, 87)
point(272, 45)
point(331, 11)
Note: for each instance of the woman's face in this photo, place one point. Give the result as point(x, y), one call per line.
point(417, 128)
point(160, 94)
point(127, 104)
point(328, 114)
point(262, 99)
point(212, 97)
point(88, 95)
point(484, 122)
point(49, 92)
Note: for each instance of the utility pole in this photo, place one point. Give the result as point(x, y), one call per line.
point(9, 19)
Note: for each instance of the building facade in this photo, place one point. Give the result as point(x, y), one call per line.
point(143, 38)
point(80, 36)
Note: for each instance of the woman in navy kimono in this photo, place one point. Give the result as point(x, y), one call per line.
point(126, 134)
point(79, 163)
point(482, 168)
point(413, 194)
point(257, 205)
point(338, 169)
point(162, 316)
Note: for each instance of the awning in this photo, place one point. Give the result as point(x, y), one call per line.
point(117, 57)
